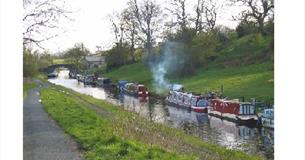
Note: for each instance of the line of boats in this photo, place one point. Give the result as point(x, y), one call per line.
point(232, 110)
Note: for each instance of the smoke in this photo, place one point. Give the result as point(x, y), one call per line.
point(169, 62)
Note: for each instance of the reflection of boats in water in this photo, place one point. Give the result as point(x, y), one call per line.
point(141, 106)
point(179, 116)
point(231, 129)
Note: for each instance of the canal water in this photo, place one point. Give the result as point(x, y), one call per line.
point(259, 141)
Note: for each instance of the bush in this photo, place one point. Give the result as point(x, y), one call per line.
point(30, 67)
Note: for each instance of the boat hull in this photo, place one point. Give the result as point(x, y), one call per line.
point(199, 109)
point(177, 105)
point(247, 119)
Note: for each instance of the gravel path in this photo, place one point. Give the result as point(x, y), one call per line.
point(43, 139)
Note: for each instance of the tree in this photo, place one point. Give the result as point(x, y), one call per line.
point(178, 9)
point(41, 19)
point(77, 54)
point(148, 17)
point(30, 68)
point(130, 25)
point(118, 28)
point(258, 10)
point(206, 15)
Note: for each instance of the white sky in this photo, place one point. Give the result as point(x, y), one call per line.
point(92, 27)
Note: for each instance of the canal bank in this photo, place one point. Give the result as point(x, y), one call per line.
point(116, 133)
point(203, 127)
point(252, 140)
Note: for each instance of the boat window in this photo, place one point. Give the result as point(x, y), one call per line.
point(202, 103)
point(252, 110)
point(241, 109)
point(194, 100)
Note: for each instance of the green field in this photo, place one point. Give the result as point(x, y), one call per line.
point(59, 61)
point(245, 68)
point(105, 131)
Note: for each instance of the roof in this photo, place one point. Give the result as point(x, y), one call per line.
point(94, 58)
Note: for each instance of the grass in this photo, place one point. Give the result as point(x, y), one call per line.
point(27, 85)
point(59, 61)
point(109, 132)
point(43, 77)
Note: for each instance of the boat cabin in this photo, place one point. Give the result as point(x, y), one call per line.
point(233, 109)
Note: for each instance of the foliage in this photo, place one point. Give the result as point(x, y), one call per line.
point(117, 56)
point(30, 66)
point(33, 61)
point(76, 55)
point(27, 85)
point(245, 28)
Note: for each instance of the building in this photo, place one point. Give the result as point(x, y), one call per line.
point(94, 60)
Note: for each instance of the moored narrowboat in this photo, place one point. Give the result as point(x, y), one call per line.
point(135, 89)
point(241, 112)
point(199, 104)
point(180, 99)
point(103, 82)
point(267, 118)
point(53, 74)
point(121, 84)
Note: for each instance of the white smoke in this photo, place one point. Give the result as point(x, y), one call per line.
point(170, 60)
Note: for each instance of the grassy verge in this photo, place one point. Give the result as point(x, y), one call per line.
point(27, 85)
point(43, 77)
point(117, 134)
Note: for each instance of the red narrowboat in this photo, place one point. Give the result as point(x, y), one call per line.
point(242, 112)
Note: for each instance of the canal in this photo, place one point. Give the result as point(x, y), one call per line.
point(253, 140)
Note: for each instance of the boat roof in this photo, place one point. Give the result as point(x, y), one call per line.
point(176, 87)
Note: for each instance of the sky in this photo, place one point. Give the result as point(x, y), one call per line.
point(92, 27)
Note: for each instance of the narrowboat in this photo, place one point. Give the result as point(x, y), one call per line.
point(266, 118)
point(241, 112)
point(72, 75)
point(53, 74)
point(79, 78)
point(180, 99)
point(135, 89)
point(103, 82)
point(89, 80)
point(199, 104)
point(121, 84)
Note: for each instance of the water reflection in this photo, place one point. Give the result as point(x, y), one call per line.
point(209, 128)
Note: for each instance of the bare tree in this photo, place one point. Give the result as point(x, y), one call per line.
point(118, 28)
point(258, 10)
point(130, 25)
point(41, 19)
point(206, 15)
point(198, 19)
point(210, 14)
point(178, 9)
point(148, 17)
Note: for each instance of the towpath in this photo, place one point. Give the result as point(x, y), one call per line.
point(43, 139)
